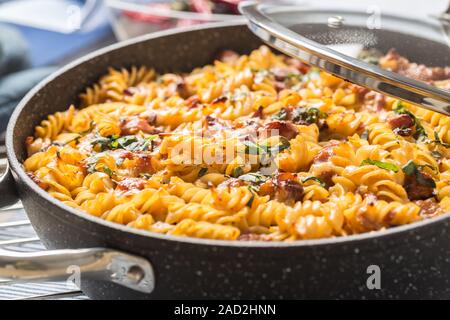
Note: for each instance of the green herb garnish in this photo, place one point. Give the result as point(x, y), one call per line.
point(103, 142)
point(142, 145)
point(260, 149)
point(272, 150)
point(123, 142)
point(436, 154)
point(313, 178)
point(380, 164)
point(252, 148)
point(91, 166)
point(438, 140)
point(202, 172)
point(281, 115)
point(238, 171)
point(91, 163)
point(131, 143)
point(253, 177)
point(254, 190)
point(308, 115)
point(410, 168)
point(365, 135)
point(108, 171)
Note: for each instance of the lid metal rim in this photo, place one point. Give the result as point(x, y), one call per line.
point(384, 81)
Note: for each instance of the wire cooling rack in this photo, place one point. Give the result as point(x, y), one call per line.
point(16, 233)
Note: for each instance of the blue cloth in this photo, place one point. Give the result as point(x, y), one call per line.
point(23, 47)
point(15, 86)
point(47, 47)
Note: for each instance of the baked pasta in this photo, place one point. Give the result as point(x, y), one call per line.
point(252, 147)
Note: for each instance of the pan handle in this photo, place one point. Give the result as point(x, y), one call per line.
point(95, 264)
point(8, 192)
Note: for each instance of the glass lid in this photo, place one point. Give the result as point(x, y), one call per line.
point(401, 57)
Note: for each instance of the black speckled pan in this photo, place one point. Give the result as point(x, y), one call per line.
point(413, 259)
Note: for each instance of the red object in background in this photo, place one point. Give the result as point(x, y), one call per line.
point(147, 17)
point(231, 4)
point(198, 6)
point(201, 6)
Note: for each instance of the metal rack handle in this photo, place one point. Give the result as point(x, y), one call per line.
point(8, 192)
point(95, 263)
point(75, 265)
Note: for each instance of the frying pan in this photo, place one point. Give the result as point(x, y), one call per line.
point(117, 262)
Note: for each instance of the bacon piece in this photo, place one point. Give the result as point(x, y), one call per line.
point(232, 183)
point(258, 113)
point(283, 187)
point(143, 163)
point(38, 181)
point(280, 74)
point(282, 128)
point(417, 191)
point(395, 62)
point(429, 207)
point(227, 56)
point(327, 177)
point(360, 91)
point(401, 121)
point(253, 237)
point(325, 153)
point(125, 154)
point(219, 99)
point(402, 124)
point(279, 85)
point(131, 183)
point(297, 64)
point(134, 124)
point(192, 102)
point(150, 116)
point(183, 89)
